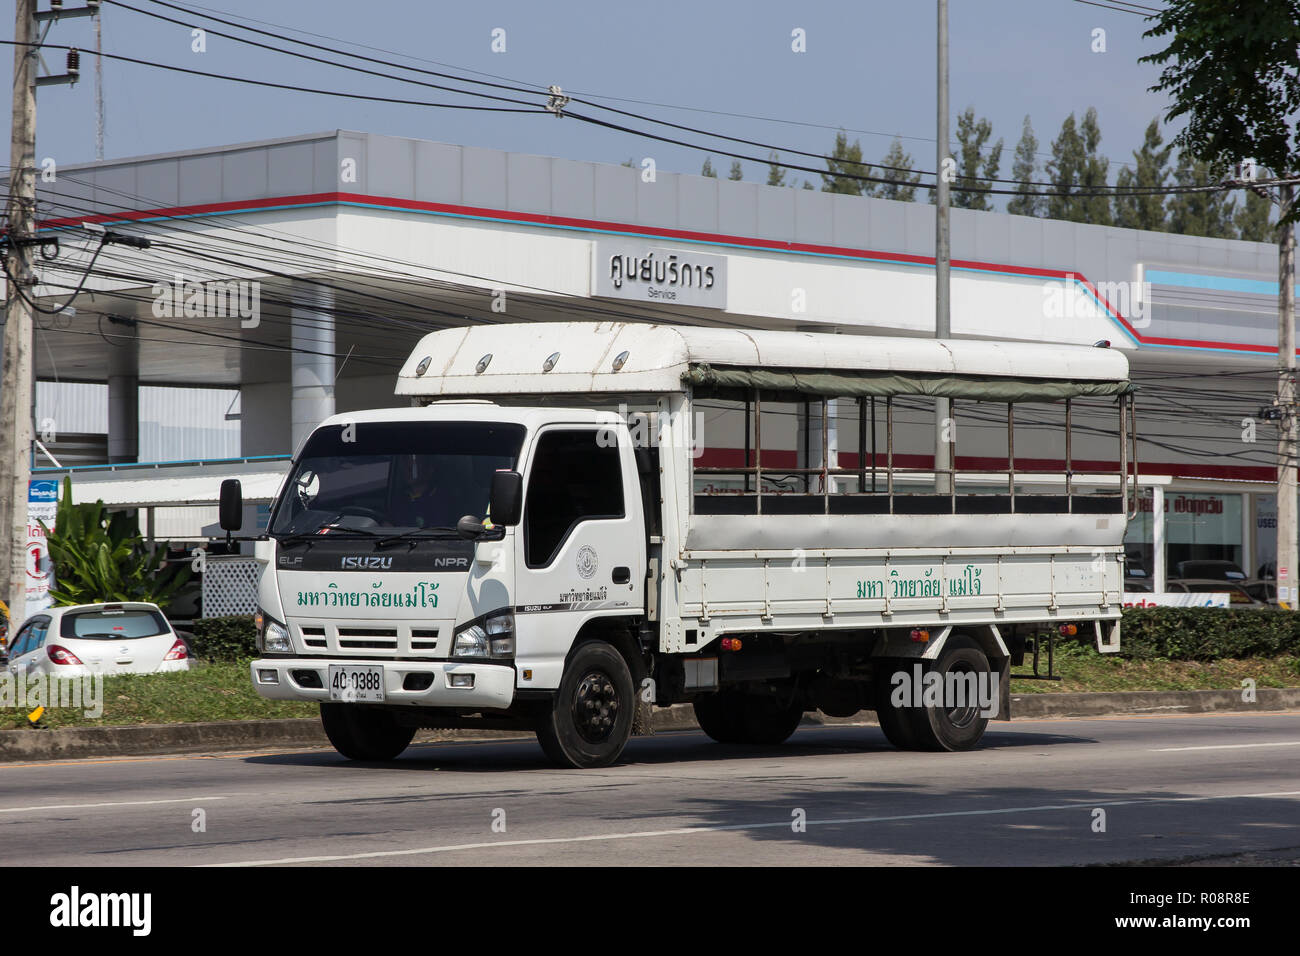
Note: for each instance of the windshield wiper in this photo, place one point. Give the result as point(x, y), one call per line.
point(417, 533)
point(330, 532)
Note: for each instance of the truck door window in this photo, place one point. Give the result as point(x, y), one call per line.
point(574, 478)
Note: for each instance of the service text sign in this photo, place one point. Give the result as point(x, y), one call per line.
point(652, 274)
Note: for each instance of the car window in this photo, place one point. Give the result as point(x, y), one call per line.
point(19, 645)
point(39, 629)
point(113, 625)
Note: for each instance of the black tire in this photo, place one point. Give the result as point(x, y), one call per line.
point(766, 721)
point(590, 718)
point(718, 715)
point(364, 733)
point(730, 717)
point(896, 722)
point(952, 728)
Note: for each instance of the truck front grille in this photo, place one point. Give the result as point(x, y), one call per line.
point(400, 641)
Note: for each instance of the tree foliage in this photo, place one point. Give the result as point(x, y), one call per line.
point(1076, 170)
point(1024, 170)
point(1232, 69)
point(775, 174)
point(1151, 170)
point(846, 160)
point(977, 162)
point(100, 556)
point(901, 161)
point(1208, 213)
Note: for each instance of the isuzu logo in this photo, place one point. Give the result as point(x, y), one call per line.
point(358, 562)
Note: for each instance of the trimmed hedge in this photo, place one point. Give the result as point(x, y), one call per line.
point(224, 638)
point(1207, 633)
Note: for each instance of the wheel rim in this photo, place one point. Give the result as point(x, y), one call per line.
point(962, 717)
point(595, 707)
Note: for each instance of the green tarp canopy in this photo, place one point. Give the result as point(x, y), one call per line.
point(779, 384)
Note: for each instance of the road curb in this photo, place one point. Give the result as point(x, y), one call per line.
point(1139, 702)
point(146, 740)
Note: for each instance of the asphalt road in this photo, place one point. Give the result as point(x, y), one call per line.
point(1170, 788)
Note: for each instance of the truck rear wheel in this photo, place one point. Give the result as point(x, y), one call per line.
point(896, 722)
point(590, 719)
point(718, 715)
point(364, 733)
point(949, 726)
point(730, 717)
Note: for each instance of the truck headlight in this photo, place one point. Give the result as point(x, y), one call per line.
point(272, 636)
point(491, 636)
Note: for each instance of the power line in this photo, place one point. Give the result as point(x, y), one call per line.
point(1071, 190)
point(541, 88)
point(768, 146)
point(282, 86)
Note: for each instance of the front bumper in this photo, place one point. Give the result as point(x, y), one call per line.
point(280, 678)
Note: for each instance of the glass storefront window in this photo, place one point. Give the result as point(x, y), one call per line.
point(1198, 527)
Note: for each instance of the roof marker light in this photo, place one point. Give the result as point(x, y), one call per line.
point(550, 361)
point(423, 366)
point(483, 363)
point(620, 360)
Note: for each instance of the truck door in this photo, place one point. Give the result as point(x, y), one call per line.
point(583, 547)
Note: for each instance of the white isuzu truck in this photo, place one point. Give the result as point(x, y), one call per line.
point(575, 522)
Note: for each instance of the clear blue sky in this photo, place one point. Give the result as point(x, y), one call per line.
point(869, 66)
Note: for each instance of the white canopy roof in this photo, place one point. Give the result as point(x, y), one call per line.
point(161, 490)
point(653, 358)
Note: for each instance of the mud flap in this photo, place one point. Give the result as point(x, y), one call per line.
point(1004, 688)
point(1109, 643)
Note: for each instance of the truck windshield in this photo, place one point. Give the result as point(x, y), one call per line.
point(394, 477)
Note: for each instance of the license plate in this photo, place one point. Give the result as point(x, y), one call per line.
point(356, 683)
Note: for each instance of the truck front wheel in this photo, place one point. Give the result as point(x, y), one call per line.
point(364, 733)
point(589, 721)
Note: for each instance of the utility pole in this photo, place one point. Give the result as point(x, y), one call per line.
point(1287, 558)
point(20, 240)
point(942, 306)
point(99, 90)
point(16, 387)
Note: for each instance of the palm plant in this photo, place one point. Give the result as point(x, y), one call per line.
point(101, 556)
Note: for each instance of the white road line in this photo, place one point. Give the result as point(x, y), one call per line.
point(93, 806)
point(684, 831)
point(1281, 743)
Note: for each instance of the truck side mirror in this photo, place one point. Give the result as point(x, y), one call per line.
point(231, 510)
point(507, 498)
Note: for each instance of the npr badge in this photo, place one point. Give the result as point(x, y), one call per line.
point(587, 562)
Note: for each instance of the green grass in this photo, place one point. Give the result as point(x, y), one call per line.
point(210, 691)
point(1084, 670)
